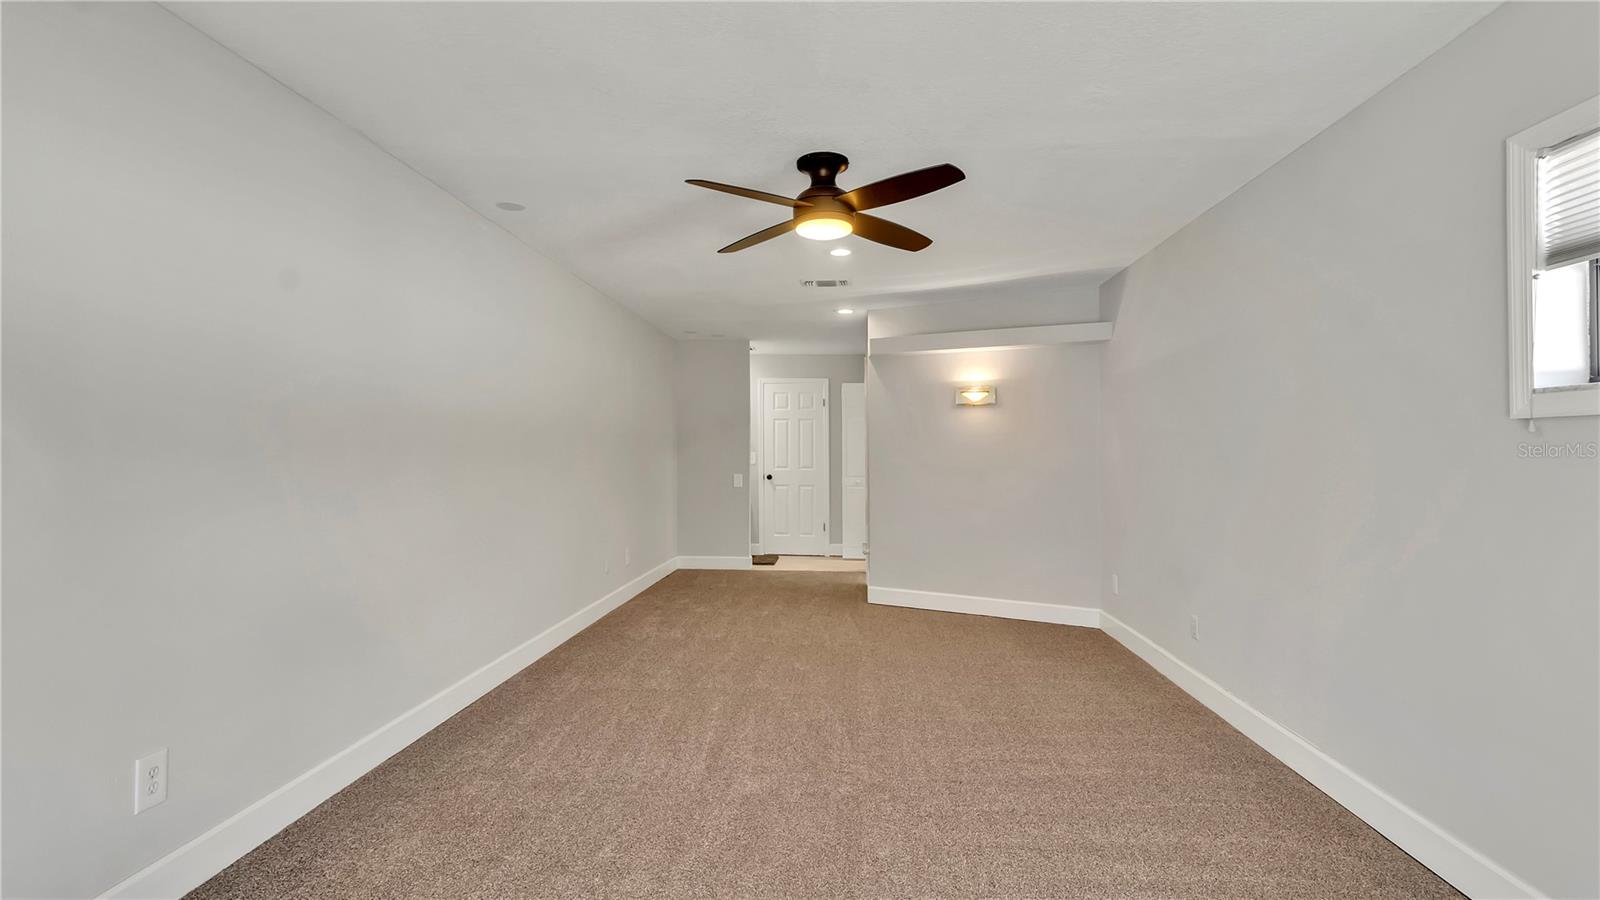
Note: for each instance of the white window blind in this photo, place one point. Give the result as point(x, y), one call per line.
point(1569, 201)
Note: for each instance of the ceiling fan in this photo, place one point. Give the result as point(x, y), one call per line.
point(826, 212)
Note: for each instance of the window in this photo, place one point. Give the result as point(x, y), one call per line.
point(1564, 321)
point(1553, 257)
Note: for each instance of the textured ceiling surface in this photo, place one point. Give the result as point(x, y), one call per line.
point(1089, 132)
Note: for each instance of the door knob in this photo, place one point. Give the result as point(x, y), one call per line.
point(769, 477)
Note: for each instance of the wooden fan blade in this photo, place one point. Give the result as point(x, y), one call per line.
point(746, 192)
point(903, 187)
point(765, 234)
point(884, 232)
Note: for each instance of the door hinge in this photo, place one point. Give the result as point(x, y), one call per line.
point(824, 526)
point(824, 401)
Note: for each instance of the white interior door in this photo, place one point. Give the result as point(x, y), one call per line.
point(853, 471)
point(794, 460)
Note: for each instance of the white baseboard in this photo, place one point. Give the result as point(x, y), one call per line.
point(985, 606)
point(190, 865)
point(836, 550)
point(1469, 871)
point(714, 562)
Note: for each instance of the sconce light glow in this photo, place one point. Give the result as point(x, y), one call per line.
point(975, 395)
point(845, 311)
point(839, 251)
point(825, 227)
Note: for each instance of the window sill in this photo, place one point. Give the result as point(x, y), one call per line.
point(1571, 400)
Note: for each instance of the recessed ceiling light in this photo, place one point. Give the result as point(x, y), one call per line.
point(839, 251)
point(844, 312)
point(508, 206)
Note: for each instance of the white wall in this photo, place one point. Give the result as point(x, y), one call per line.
point(838, 369)
point(1000, 501)
point(713, 402)
point(1306, 446)
point(1011, 304)
point(292, 439)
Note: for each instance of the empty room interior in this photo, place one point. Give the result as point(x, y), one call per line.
point(800, 450)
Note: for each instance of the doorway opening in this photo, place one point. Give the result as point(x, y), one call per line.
point(808, 412)
point(793, 466)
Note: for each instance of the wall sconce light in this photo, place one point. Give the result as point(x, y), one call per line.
point(975, 395)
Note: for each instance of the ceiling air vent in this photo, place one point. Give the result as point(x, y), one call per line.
point(826, 282)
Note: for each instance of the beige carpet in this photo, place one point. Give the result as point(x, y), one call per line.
point(744, 734)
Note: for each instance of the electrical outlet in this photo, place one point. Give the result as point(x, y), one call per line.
point(738, 480)
point(627, 556)
point(150, 781)
point(1194, 627)
point(1115, 590)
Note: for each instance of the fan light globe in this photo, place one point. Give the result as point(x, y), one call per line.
point(824, 228)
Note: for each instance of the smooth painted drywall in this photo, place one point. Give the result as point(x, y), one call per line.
point(1011, 304)
point(1000, 501)
point(997, 501)
point(293, 440)
point(1088, 130)
point(838, 369)
point(713, 380)
point(1306, 446)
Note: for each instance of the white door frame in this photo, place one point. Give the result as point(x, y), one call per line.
point(761, 458)
point(852, 542)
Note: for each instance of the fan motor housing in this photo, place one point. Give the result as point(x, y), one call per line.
point(823, 166)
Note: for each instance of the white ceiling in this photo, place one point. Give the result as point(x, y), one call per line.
point(1089, 132)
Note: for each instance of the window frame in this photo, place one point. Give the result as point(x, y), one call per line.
point(1522, 258)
